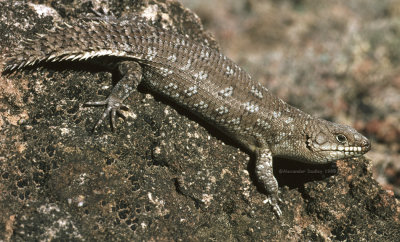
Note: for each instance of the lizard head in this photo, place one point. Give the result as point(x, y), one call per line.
point(326, 141)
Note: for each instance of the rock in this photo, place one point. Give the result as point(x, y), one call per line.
point(161, 175)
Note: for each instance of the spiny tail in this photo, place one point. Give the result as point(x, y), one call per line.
point(79, 41)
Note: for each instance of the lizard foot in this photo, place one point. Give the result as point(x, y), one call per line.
point(114, 107)
point(274, 203)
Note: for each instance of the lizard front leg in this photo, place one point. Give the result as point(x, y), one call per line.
point(131, 73)
point(265, 176)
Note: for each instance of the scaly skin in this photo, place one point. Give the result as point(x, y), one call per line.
point(203, 81)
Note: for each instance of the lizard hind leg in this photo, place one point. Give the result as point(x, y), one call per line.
point(131, 75)
point(265, 176)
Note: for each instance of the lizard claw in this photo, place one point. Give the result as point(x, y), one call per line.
point(114, 107)
point(274, 203)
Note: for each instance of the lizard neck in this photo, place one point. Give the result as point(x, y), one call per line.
point(289, 133)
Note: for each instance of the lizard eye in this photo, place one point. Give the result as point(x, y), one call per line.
point(341, 138)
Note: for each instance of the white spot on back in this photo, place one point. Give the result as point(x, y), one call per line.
point(276, 114)
point(201, 75)
point(257, 93)
point(204, 54)
point(263, 124)
point(227, 92)
point(187, 66)
point(171, 86)
point(235, 121)
point(251, 107)
point(229, 71)
point(190, 91)
point(165, 71)
point(151, 53)
point(222, 110)
point(172, 58)
point(201, 105)
point(289, 120)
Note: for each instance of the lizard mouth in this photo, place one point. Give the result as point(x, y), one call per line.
point(331, 152)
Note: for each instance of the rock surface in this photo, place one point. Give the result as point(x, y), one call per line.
point(161, 175)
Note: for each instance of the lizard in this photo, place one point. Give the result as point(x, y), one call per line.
point(200, 79)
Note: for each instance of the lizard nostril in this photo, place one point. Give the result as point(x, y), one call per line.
point(366, 144)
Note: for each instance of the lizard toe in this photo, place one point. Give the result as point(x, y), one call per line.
point(274, 204)
point(114, 107)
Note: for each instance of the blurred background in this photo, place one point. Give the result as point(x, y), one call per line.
point(338, 60)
